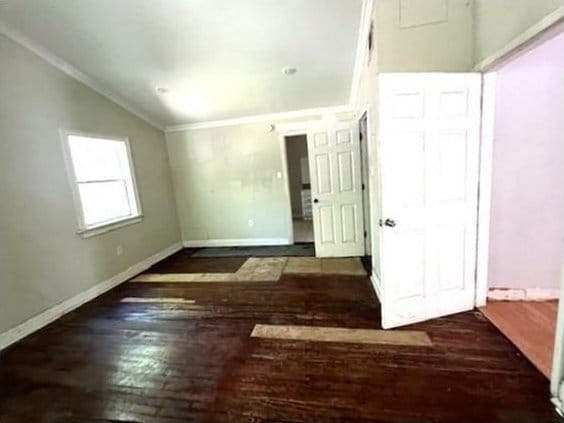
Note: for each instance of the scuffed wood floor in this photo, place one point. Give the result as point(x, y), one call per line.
point(194, 360)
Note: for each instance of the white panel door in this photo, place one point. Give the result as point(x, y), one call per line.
point(429, 138)
point(336, 189)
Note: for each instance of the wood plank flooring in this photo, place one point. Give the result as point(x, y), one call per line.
point(183, 262)
point(110, 361)
point(530, 325)
point(343, 335)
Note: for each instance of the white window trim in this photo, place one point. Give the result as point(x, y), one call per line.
point(91, 231)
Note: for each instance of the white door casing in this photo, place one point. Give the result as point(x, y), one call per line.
point(365, 172)
point(429, 139)
point(336, 189)
point(557, 376)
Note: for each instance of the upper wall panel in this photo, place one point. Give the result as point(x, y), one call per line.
point(424, 36)
point(497, 22)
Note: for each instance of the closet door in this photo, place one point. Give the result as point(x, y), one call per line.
point(336, 189)
point(429, 141)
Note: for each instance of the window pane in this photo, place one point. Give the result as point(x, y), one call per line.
point(104, 201)
point(97, 159)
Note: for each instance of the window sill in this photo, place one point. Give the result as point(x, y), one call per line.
point(108, 227)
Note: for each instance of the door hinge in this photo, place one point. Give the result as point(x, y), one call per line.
point(365, 234)
point(363, 187)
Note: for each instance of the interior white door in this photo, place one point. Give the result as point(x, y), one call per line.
point(336, 189)
point(429, 140)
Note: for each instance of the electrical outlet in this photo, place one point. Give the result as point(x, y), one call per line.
point(119, 251)
point(251, 223)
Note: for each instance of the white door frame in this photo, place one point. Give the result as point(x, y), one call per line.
point(548, 27)
point(367, 190)
point(557, 377)
point(285, 178)
point(374, 186)
point(485, 187)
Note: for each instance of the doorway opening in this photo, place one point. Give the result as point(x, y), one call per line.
point(527, 199)
point(323, 187)
point(299, 185)
point(365, 173)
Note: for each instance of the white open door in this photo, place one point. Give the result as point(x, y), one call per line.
point(429, 140)
point(336, 189)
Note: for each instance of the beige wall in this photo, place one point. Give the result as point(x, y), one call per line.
point(401, 46)
point(440, 41)
point(224, 177)
point(296, 149)
point(42, 261)
point(497, 22)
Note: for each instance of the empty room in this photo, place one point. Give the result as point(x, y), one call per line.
point(281, 211)
point(524, 262)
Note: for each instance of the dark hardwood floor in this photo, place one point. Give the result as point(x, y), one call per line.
point(179, 362)
point(183, 262)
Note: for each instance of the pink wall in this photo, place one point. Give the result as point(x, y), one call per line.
point(527, 223)
point(527, 230)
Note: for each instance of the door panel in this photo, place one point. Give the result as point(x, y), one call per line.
point(321, 139)
point(408, 281)
point(348, 223)
point(327, 225)
point(345, 169)
point(323, 172)
point(450, 240)
point(344, 137)
point(452, 164)
point(334, 152)
point(429, 136)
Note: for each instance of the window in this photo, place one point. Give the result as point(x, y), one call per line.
point(103, 182)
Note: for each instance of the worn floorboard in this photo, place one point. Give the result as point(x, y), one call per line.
point(184, 262)
point(181, 362)
point(346, 335)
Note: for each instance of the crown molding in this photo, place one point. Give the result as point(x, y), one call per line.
point(261, 118)
point(68, 69)
point(361, 47)
point(74, 73)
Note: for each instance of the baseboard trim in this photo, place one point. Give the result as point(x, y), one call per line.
point(44, 318)
point(241, 242)
point(534, 294)
point(559, 406)
point(377, 286)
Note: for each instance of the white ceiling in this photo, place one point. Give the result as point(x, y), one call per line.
point(220, 59)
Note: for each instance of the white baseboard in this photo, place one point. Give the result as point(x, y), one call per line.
point(531, 294)
point(558, 405)
point(44, 318)
point(242, 242)
point(377, 286)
